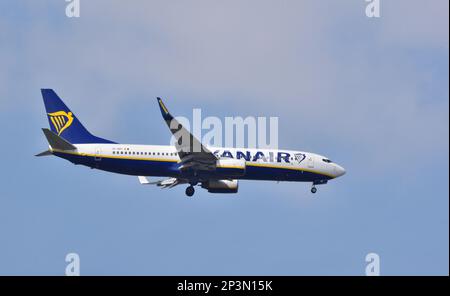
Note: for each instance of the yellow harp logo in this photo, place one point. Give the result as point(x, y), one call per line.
point(61, 120)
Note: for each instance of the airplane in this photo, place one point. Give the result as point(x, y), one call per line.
point(218, 170)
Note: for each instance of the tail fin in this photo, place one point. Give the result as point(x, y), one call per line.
point(64, 123)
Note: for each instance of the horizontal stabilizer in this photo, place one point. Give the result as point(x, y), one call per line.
point(45, 153)
point(56, 142)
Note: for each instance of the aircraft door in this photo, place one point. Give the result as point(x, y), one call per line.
point(98, 154)
point(310, 161)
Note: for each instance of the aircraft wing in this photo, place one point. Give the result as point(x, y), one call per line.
point(166, 183)
point(193, 154)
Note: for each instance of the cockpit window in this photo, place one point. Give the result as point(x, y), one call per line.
point(327, 160)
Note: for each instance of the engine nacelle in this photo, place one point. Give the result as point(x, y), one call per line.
point(229, 167)
point(221, 186)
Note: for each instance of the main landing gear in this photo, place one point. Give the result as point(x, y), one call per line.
point(313, 189)
point(190, 191)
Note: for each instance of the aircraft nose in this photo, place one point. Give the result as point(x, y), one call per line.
point(339, 170)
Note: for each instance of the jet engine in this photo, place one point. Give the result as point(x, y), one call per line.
point(221, 186)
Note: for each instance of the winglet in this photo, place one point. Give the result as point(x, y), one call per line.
point(164, 111)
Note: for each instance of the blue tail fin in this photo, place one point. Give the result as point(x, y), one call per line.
point(64, 123)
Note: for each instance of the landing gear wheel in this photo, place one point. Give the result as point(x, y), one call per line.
point(190, 191)
point(313, 190)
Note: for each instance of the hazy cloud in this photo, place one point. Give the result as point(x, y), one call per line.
point(318, 64)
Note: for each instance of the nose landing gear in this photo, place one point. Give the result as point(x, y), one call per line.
point(317, 182)
point(190, 191)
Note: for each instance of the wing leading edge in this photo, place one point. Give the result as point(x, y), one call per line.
point(193, 154)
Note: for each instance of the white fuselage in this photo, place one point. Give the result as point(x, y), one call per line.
point(156, 160)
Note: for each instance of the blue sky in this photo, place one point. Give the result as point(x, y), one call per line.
point(372, 94)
